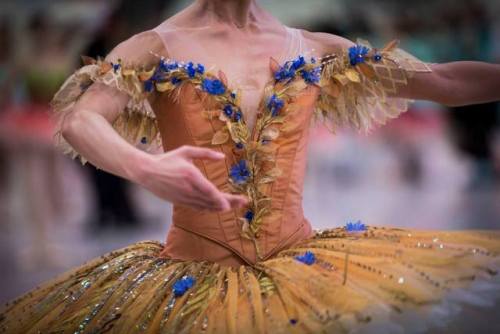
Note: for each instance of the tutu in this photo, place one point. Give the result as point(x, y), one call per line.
point(336, 282)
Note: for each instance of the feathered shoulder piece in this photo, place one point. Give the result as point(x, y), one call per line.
point(357, 85)
point(137, 122)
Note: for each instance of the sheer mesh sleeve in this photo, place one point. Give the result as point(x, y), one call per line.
point(357, 85)
point(118, 86)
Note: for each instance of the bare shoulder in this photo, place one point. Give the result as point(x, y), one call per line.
point(326, 43)
point(141, 49)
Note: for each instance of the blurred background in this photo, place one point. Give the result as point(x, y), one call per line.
point(433, 168)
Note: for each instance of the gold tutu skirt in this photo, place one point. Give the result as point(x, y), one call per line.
point(335, 282)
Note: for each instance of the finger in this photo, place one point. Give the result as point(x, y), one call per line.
point(195, 203)
point(191, 152)
point(236, 201)
point(210, 193)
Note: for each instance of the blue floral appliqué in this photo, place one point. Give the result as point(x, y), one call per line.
point(168, 66)
point(307, 258)
point(213, 86)
point(200, 69)
point(175, 81)
point(312, 76)
point(116, 67)
point(249, 215)
point(190, 70)
point(238, 116)
point(355, 227)
point(298, 63)
point(275, 104)
point(357, 54)
point(240, 173)
point(228, 110)
point(182, 285)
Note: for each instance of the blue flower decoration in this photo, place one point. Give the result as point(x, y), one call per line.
point(239, 146)
point(312, 76)
point(182, 285)
point(249, 215)
point(116, 67)
point(284, 73)
point(275, 104)
point(190, 70)
point(233, 95)
point(240, 173)
point(175, 81)
point(307, 258)
point(298, 63)
point(172, 66)
point(357, 54)
point(167, 66)
point(144, 140)
point(149, 85)
point(355, 227)
point(163, 65)
point(377, 57)
point(213, 86)
point(238, 116)
point(228, 110)
point(200, 69)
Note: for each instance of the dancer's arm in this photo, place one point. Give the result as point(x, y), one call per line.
point(452, 84)
point(171, 176)
point(456, 84)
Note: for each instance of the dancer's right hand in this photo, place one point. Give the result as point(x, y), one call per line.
point(173, 176)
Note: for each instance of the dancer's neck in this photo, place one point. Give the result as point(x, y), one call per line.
point(240, 13)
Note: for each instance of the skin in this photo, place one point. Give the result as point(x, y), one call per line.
point(237, 25)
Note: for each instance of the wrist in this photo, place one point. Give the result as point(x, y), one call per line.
point(138, 166)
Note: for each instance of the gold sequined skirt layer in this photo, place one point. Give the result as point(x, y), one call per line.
point(356, 279)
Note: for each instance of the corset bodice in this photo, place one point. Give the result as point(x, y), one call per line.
point(184, 121)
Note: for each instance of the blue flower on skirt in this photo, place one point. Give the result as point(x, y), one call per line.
point(213, 86)
point(228, 110)
point(182, 285)
point(307, 258)
point(240, 173)
point(249, 215)
point(355, 227)
point(357, 54)
point(190, 70)
point(275, 104)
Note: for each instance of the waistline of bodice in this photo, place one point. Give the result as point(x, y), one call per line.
point(216, 237)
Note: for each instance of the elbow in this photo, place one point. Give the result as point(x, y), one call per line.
point(68, 126)
point(71, 125)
